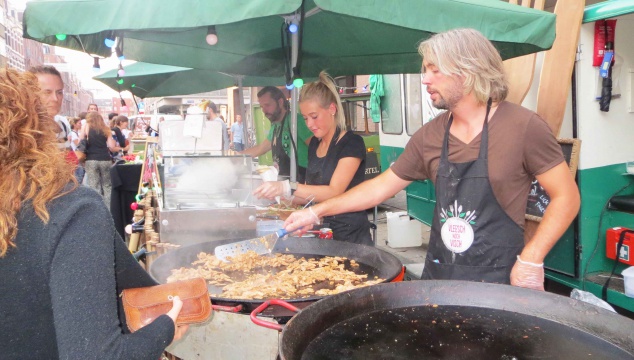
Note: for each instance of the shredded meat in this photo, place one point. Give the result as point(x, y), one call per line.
point(251, 276)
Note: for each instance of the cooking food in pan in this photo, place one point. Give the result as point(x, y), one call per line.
point(251, 276)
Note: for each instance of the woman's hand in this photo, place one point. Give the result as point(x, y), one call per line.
point(179, 331)
point(271, 189)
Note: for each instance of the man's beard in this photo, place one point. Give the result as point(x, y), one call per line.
point(275, 116)
point(453, 95)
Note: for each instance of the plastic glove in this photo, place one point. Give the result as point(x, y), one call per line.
point(271, 189)
point(301, 221)
point(528, 275)
point(179, 331)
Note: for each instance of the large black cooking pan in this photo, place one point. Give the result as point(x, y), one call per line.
point(455, 320)
point(372, 261)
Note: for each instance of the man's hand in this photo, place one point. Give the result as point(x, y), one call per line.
point(528, 275)
point(301, 221)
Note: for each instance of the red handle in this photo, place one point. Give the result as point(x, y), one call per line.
point(233, 309)
point(263, 307)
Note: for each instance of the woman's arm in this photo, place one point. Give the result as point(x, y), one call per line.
point(112, 144)
point(339, 182)
point(84, 293)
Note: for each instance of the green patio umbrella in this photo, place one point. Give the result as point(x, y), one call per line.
point(348, 37)
point(154, 80)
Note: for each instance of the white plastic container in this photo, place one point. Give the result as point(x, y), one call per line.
point(403, 232)
point(628, 279)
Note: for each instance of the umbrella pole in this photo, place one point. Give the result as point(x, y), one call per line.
point(294, 96)
point(245, 139)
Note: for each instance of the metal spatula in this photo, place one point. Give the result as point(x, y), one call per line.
point(261, 245)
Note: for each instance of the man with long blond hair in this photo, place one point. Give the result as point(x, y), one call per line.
point(59, 249)
point(482, 155)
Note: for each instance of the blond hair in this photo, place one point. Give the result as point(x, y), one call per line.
point(467, 53)
point(33, 169)
point(95, 121)
point(324, 93)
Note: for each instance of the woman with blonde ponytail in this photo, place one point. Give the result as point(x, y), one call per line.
point(62, 263)
point(336, 161)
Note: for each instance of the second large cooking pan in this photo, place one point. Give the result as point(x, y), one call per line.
point(455, 320)
point(372, 261)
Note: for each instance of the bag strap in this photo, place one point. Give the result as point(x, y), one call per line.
point(604, 291)
point(64, 127)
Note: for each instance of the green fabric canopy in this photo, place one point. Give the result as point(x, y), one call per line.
point(153, 80)
point(607, 9)
point(348, 37)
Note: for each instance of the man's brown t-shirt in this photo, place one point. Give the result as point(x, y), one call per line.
point(521, 145)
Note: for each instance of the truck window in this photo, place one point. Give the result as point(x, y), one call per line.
point(413, 103)
point(391, 105)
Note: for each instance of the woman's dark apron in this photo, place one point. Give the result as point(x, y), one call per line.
point(472, 237)
point(352, 227)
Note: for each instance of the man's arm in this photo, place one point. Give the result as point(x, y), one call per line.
point(363, 196)
point(561, 211)
point(258, 149)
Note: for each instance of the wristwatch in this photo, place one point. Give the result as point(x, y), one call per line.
point(293, 187)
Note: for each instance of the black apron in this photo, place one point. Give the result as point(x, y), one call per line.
point(352, 227)
point(472, 237)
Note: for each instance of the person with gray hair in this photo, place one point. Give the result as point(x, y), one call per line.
point(482, 155)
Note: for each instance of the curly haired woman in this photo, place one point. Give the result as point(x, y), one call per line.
point(62, 262)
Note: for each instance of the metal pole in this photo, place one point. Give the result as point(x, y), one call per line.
point(294, 98)
point(241, 111)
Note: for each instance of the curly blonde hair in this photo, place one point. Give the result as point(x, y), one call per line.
point(33, 168)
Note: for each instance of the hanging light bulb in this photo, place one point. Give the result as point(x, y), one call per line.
point(121, 72)
point(292, 28)
point(290, 86)
point(133, 85)
point(120, 81)
point(299, 82)
point(109, 42)
point(95, 64)
point(61, 37)
point(212, 37)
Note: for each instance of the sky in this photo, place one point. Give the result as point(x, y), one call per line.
point(81, 64)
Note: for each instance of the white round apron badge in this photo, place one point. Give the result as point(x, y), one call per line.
point(456, 231)
point(457, 234)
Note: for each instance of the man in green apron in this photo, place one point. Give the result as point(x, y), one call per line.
point(482, 155)
point(279, 140)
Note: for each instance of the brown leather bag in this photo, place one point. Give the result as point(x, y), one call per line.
point(143, 305)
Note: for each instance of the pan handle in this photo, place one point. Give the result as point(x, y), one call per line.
point(232, 309)
point(263, 307)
